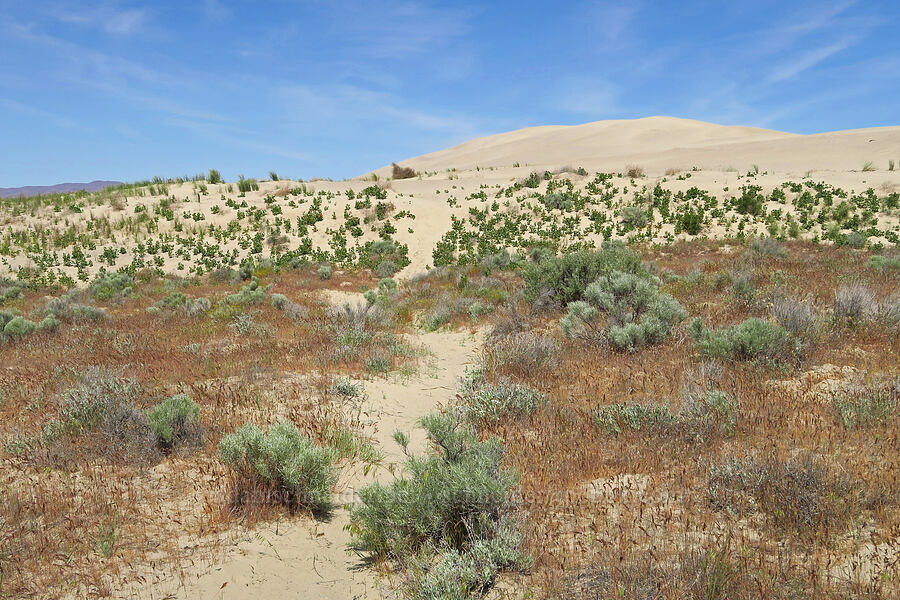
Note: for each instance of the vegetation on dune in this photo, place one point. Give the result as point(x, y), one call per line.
point(652, 417)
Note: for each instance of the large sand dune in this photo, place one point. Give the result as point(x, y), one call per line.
point(660, 143)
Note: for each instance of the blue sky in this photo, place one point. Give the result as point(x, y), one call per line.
point(127, 90)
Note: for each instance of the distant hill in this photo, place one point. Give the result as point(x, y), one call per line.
point(34, 190)
point(660, 143)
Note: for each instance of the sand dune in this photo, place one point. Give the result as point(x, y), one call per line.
point(660, 143)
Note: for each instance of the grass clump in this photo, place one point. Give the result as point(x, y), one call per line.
point(447, 519)
point(214, 177)
point(616, 418)
point(489, 403)
point(174, 419)
point(870, 405)
point(638, 313)
point(282, 463)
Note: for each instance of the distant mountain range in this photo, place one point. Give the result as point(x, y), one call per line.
point(60, 188)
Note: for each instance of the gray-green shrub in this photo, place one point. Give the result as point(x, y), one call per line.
point(492, 402)
point(284, 460)
point(456, 494)
point(752, 339)
point(325, 272)
point(174, 419)
point(638, 313)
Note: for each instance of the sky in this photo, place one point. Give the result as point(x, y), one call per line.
point(127, 90)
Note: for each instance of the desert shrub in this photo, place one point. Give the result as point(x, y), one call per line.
point(107, 285)
point(437, 318)
point(102, 407)
point(616, 418)
point(709, 413)
point(523, 353)
point(347, 388)
point(386, 268)
point(454, 499)
point(800, 494)
point(174, 419)
point(854, 303)
point(465, 574)
point(633, 217)
point(510, 321)
point(767, 247)
point(794, 316)
point(638, 313)
point(19, 327)
point(324, 272)
point(880, 263)
point(67, 308)
point(866, 405)
point(478, 309)
point(279, 301)
point(48, 323)
point(752, 339)
point(492, 402)
point(566, 277)
point(634, 171)
point(214, 177)
point(248, 294)
point(199, 306)
point(283, 461)
point(398, 172)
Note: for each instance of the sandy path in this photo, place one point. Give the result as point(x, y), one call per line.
point(303, 558)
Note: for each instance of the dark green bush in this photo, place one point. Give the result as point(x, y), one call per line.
point(566, 277)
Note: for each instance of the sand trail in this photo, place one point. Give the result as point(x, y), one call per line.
point(305, 558)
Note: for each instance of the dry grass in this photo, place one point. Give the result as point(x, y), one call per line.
point(808, 508)
point(79, 515)
point(635, 515)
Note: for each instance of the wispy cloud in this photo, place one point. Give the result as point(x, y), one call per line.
point(107, 17)
point(807, 60)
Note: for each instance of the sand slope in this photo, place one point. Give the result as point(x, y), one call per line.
point(659, 143)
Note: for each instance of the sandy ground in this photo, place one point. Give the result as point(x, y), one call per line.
point(304, 558)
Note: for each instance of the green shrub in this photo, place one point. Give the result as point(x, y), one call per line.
point(173, 419)
point(638, 313)
point(710, 412)
point(107, 285)
point(753, 339)
point(19, 327)
point(214, 177)
point(286, 461)
point(567, 277)
point(455, 497)
point(48, 323)
point(325, 272)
